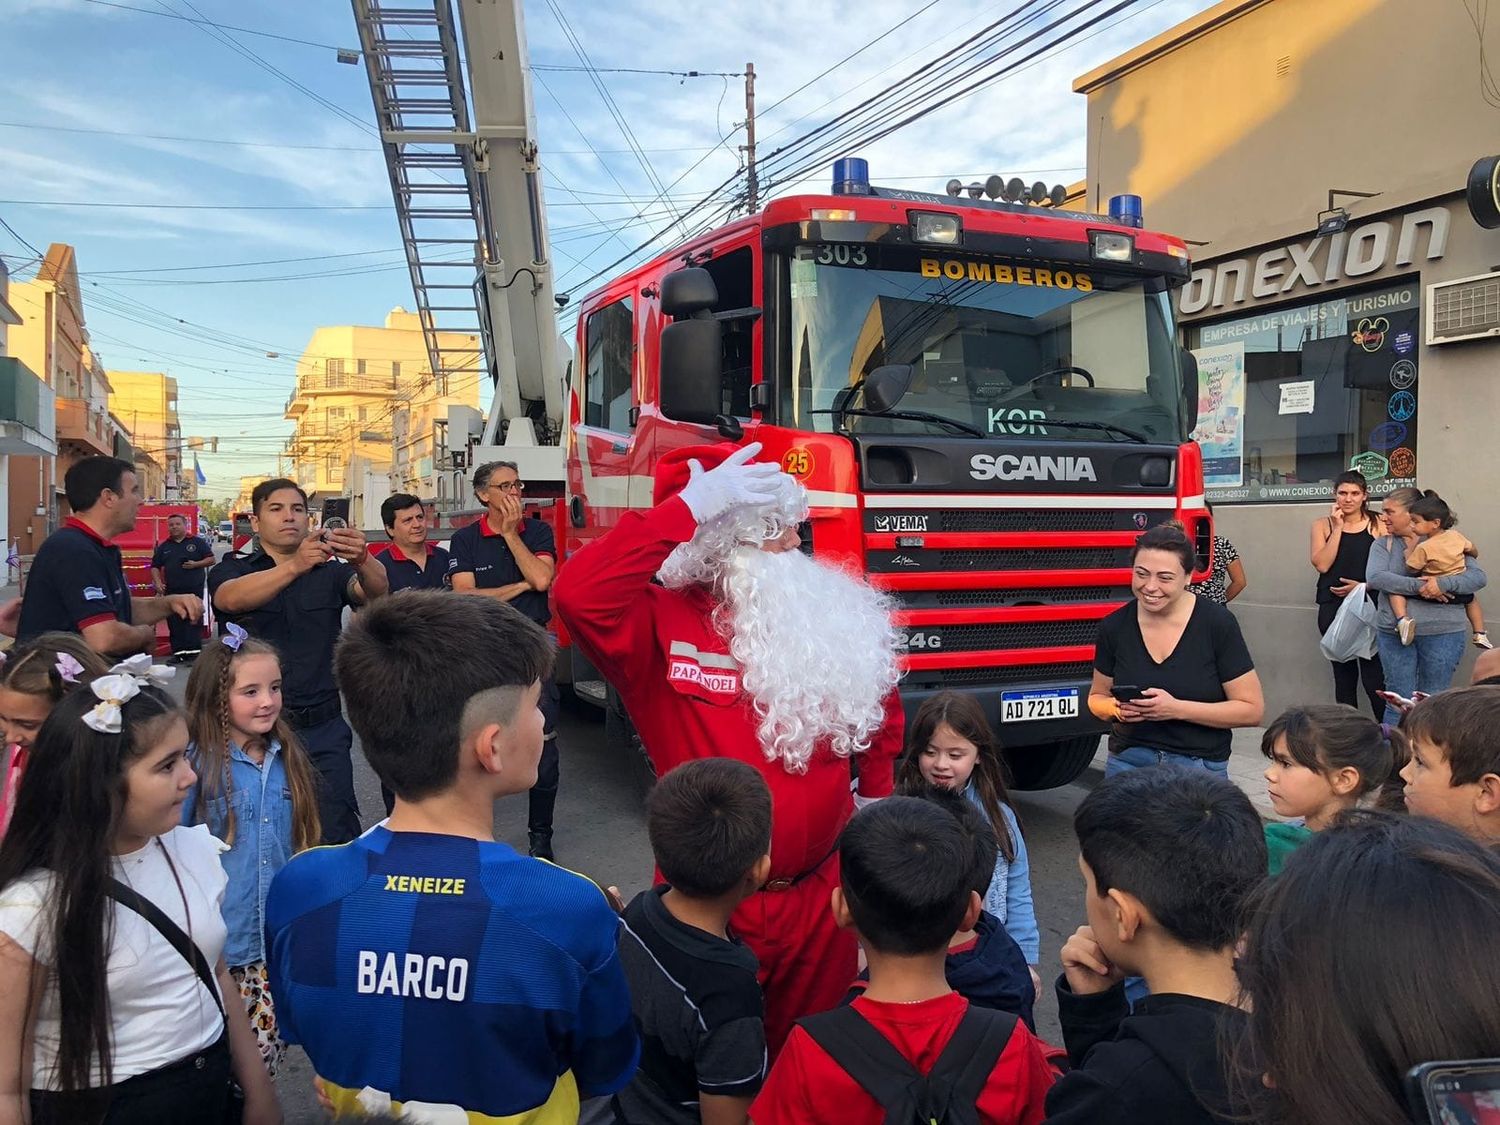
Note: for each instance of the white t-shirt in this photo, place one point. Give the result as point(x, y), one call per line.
point(159, 1009)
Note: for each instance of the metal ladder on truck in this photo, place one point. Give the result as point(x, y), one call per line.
point(457, 122)
point(453, 100)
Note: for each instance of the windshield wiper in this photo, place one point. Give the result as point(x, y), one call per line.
point(909, 416)
point(1107, 427)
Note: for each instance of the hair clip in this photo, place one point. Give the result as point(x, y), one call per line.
point(113, 692)
point(68, 668)
point(144, 671)
point(234, 638)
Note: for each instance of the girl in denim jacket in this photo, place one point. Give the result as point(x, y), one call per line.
point(949, 744)
point(256, 792)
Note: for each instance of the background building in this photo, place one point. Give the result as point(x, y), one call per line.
point(145, 402)
point(53, 342)
point(27, 416)
point(352, 383)
point(1366, 345)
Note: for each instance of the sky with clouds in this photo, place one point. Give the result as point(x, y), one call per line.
point(232, 148)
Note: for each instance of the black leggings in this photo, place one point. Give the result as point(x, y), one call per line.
point(1348, 674)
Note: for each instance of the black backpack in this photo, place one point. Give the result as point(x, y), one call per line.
point(948, 1095)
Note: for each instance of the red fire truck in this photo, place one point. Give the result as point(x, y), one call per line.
point(984, 398)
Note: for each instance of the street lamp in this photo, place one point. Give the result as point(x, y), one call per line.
point(1335, 219)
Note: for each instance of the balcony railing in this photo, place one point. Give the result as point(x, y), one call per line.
point(346, 384)
point(28, 413)
point(77, 423)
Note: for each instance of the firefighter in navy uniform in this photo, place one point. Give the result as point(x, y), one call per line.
point(504, 555)
point(177, 567)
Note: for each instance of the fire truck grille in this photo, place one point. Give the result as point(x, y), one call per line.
point(1028, 674)
point(1011, 520)
point(1020, 595)
point(1006, 635)
point(1044, 558)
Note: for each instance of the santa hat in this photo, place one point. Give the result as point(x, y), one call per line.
point(673, 473)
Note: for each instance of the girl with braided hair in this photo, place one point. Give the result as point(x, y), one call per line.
point(256, 792)
point(33, 679)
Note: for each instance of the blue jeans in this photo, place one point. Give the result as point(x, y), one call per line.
point(1144, 757)
point(1427, 664)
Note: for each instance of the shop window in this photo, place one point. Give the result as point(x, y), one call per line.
point(734, 276)
point(1290, 398)
point(610, 342)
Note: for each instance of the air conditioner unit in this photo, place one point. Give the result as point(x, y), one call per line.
point(1467, 308)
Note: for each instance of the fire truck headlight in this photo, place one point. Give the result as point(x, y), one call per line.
point(1110, 246)
point(1156, 472)
point(927, 226)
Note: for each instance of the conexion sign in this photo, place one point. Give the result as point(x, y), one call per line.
point(1349, 254)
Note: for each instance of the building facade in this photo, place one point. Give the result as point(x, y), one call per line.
point(52, 341)
point(1344, 301)
point(145, 402)
point(352, 383)
point(28, 424)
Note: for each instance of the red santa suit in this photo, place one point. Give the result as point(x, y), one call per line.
point(683, 690)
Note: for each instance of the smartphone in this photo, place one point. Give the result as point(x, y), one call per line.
point(1125, 693)
point(1465, 1092)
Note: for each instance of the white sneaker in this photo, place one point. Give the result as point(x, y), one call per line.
point(1406, 629)
point(1482, 639)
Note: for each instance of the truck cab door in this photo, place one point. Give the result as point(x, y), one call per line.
point(604, 432)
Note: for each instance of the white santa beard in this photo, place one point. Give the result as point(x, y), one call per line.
point(816, 648)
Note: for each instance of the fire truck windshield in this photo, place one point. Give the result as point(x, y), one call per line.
point(996, 345)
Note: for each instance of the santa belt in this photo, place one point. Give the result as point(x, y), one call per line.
point(788, 884)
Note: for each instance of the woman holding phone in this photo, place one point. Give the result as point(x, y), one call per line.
point(1340, 551)
point(1171, 670)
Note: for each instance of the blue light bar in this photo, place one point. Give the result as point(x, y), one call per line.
point(1125, 210)
point(851, 176)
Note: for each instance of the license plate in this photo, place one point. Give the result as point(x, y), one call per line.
point(1029, 706)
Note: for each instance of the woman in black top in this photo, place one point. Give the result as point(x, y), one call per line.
point(1179, 659)
point(1341, 544)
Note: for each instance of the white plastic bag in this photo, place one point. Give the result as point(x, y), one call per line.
point(1352, 634)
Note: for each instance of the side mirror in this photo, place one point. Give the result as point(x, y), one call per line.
point(1188, 364)
point(886, 386)
point(691, 358)
point(688, 291)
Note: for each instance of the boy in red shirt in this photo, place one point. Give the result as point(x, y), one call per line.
point(904, 888)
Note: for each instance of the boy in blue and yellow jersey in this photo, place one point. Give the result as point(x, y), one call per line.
point(425, 965)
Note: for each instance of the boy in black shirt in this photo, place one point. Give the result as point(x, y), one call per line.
point(1169, 857)
point(693, 988)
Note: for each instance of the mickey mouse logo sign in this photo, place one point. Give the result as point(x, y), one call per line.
point(1370, 333)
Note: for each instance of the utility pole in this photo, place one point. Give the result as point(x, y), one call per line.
point(752, 187)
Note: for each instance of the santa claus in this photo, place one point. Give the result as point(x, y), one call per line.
point(750, 649)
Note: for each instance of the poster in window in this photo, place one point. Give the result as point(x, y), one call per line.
point(1220, 430)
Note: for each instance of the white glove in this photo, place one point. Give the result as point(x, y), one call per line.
point(732, 484)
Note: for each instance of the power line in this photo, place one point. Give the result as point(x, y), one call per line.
point(898, 25)
point(172, 137)
point(209, 28)
point(202, 19)
point(640, 70)
point(609, 102)
point(200, 206)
